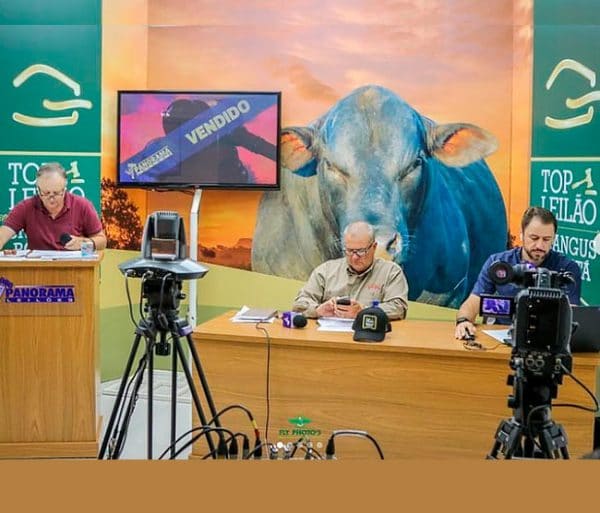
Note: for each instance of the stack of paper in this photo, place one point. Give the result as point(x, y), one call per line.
point(58, 255)
point(247, 314)
point(335, 324)
point(26, 254)
point(18, 254)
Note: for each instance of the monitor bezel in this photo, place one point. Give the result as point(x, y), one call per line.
point(169, 185)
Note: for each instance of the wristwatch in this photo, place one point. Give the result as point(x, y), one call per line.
point(460, 320)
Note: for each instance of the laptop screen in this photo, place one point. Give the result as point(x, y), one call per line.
point(586, 337)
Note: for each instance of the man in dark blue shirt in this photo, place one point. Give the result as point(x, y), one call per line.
point(538, 231)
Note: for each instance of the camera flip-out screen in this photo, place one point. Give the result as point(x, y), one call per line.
point(164, 249)
point(496, 306)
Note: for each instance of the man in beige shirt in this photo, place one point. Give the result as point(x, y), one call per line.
point(359, 276)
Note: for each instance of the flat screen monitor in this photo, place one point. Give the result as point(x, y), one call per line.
point(175, 139)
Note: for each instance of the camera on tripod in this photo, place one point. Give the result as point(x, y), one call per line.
point(541, 355)
point(542, 316)
point(162, 267)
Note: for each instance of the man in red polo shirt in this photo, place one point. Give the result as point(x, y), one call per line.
point(53, 213)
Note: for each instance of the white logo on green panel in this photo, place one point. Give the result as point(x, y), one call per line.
point(573, 103)
point(52, 106)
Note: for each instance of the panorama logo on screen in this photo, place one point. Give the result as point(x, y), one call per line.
point(9, 293)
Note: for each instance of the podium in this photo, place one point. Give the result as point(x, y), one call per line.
point(49, 358)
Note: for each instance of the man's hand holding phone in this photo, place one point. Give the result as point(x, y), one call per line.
point(346, 307)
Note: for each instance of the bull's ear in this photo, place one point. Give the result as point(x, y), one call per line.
point(460, 144)
point(297, 152)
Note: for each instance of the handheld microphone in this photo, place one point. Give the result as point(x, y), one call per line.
point(293, 320)
point(299, 321)
point(65, 238)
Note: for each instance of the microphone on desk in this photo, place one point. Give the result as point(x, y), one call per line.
point(293, 320)
point(64, 238)
point(299, 321)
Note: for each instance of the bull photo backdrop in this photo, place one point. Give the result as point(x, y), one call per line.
point(414, 116)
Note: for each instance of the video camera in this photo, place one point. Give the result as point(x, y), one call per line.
point(163, 263)
point(164, 250)
point(541, 355)
point(541, 313)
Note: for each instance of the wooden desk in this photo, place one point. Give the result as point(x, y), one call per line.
point(419, 393)
point(49, 362)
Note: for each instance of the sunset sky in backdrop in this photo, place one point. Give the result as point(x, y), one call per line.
point(452, 60)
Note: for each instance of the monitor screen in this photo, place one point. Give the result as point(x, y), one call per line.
point(496, 306)
point(220, 140)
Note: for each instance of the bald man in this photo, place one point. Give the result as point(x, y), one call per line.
point(358, 276)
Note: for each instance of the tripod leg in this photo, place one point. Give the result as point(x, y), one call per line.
point(493, 454)
point(119, 399)
point(150, 355)
point(203, 381)
point(514, 432)
point(553, 440)
point(194, 392)
point(507, 439)
point(546, 444)
point(173, 401)
point(121, 432)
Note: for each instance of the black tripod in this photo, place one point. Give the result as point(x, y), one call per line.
point(163, 297)
point(530, 432)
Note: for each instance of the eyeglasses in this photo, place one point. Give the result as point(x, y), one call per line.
point(50, 194)
point(360, 252)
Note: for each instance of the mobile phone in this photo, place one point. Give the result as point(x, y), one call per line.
point(345, 300)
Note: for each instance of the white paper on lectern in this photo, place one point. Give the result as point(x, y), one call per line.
point(58, 255)
point(19, 255)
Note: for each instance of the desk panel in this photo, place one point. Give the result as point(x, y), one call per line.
point(419, 393)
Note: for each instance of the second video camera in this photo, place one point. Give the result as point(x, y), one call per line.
point(542, 316)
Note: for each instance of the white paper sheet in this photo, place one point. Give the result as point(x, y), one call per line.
point(57, 255)
point(500, 335)
point(19, 255)
point(335, 324)
point(25, 254)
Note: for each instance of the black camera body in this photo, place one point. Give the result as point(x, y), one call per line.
point(541, 355)
point(542, 317)
point(164, 251)
point(542, 331)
